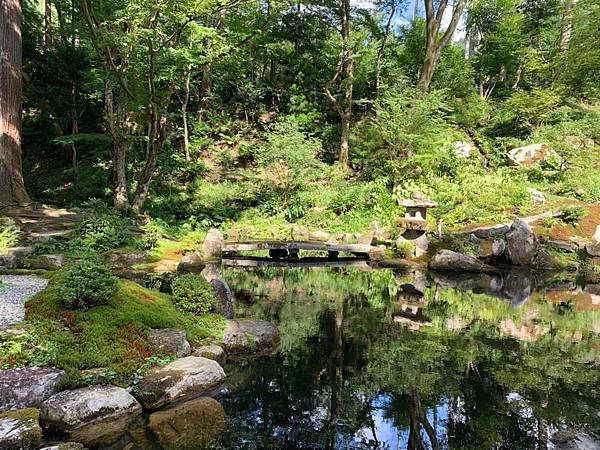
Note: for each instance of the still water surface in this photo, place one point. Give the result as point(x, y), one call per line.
point(384, 360)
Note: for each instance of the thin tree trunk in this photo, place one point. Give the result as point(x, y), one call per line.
point(381, 50)
point(184, 108)
point(113, 119)
point(567, 28)
point(47, 25)
point(12, 187)
point(435, 45)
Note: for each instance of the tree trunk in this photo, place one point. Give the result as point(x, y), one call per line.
point(435, 45)
point(47, 25)
point(567, 28)
point(381, 50)
point(12, 188)
point(345, 69)
point(113, 119)
point(184, 108)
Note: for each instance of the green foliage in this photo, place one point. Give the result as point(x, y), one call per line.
point(572, 214)
point(8, 237)
point(193, 294)
point(86, 284)
point(103, 229)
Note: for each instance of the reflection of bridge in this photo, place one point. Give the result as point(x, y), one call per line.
point(237, 261)
point(291, 249)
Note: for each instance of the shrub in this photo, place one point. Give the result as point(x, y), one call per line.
point(193, 294)
point(86, 285)
point(104, 229)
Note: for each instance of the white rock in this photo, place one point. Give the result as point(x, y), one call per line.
point(463, 149)
point(536, 196)
point(531, 154)
point(596, 236)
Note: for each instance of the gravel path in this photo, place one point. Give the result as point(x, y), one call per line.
point(15, 290)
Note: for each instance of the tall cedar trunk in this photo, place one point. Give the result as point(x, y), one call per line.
point(113, 119)
point(47, 25)
point(435, 45)
point(12, 188)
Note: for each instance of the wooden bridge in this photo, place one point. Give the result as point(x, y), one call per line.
point(291, 249)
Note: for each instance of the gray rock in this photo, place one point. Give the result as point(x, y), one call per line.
point(247, 336)
point(224, 304)
point(447, 260)
point(213, 270)
point(300, 233)
point(182, 379)
point(193, 424)
point(537, 197)
point(126, 259)
point(191, 263)
point(377, 253)
point(491, 248)
point(92, 415)
point(320, 236)
point(9, 258)
point(593, 250)
point(170, 340)
point(20, 430)
point(48, 262)
point(521, 244)
point(214, 352)
point(490, 231)
point(212, 247)
point(565, 246)
point(28, 387)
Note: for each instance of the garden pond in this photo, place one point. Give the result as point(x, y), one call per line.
point(387, 359)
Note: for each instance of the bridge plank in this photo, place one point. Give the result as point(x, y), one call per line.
point(230, 247)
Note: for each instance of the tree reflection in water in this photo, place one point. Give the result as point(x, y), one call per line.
point(380, 360)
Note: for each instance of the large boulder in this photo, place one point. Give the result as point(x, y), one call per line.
point(182, 379)
point(521, 244)
point(28, 387)
point(214, 352)
point(92, 415)
point(318, 235)
point(532, 154)
point(212, 247)
point(190, 425)
point(20, 430)
point(224, 298)
point(170, 340)
point(48, 262)
point(247, 336)
point(593, 250)
point(448, 260)
point(191, 263)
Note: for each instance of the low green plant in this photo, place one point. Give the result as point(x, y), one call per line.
point(572, 214)
point(8, 237)
point(103, 229)
point(85, 285)
point(193, 294)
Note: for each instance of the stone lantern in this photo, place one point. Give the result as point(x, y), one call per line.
point(415, 222)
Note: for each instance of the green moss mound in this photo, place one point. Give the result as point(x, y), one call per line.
point(112, 336)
